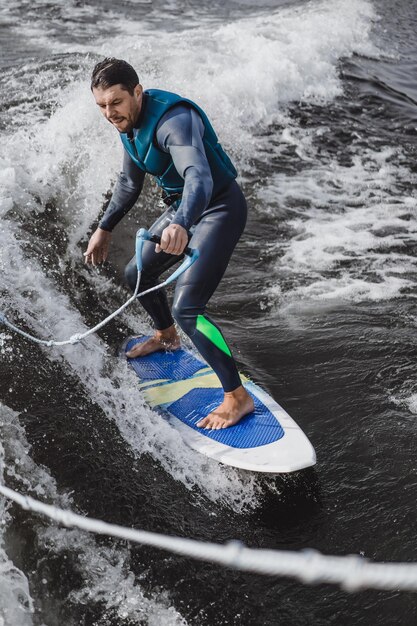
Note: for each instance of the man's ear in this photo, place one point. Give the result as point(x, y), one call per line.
point(138, 90)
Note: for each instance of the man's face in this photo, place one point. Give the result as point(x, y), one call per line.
point(118, 106)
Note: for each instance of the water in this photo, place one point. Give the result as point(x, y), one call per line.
point(317, 103)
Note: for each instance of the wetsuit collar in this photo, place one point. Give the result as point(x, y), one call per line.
point(141, 115)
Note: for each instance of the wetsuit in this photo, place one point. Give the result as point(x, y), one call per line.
point(214, 218)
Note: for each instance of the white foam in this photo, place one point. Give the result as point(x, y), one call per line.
point(74, 154)
point(16, 604)
point(346, 238)
point(246, 71)
point(406, 399)
point(104, 570)
point(411, 402)
point(243, 72)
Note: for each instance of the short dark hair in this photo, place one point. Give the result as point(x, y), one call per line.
point(113, 71)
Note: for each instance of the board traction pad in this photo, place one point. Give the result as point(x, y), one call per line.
point(259, 428)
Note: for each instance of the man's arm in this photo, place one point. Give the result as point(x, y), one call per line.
point(127, 190)
point(180, 132)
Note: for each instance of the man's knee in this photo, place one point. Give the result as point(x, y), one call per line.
point(131, 275)
point(185, 317)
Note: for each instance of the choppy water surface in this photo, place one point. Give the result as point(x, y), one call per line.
point(317, 103)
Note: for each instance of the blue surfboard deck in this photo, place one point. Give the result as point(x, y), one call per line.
point(184, 389)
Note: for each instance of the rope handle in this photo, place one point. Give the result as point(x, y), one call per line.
point(156, 239)
point(144, 235)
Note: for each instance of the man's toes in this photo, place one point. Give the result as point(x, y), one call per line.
point(217, 422)
point(136, 351)
point(209, 423)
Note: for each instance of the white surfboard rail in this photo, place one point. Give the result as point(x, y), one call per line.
point(352, 573)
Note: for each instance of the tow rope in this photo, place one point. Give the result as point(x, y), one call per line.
point(142, 235)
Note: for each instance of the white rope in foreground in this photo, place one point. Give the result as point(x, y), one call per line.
point(309, 566)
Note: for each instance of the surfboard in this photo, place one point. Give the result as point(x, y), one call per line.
point(183, 389)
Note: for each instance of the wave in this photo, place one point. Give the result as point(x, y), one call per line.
point(96, 575)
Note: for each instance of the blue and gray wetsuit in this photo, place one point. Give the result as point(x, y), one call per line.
point(211, 206)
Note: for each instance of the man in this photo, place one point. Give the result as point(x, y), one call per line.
point(172, 138)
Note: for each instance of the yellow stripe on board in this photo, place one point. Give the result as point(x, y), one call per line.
point(174, 391)
point(160, 381)
point(204, 370)
point(151, 383)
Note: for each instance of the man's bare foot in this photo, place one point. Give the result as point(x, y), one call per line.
point(167, 339)
point(236, 404)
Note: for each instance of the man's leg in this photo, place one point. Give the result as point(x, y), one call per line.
point(156, 304)
point(215, 236)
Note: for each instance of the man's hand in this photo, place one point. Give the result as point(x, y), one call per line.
point(98, 247)
point(174, 240)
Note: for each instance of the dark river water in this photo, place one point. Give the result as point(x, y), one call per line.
point(317, 104)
